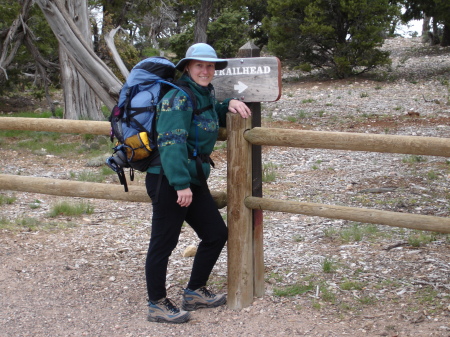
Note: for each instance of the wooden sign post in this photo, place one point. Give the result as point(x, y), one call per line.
point(250, 79)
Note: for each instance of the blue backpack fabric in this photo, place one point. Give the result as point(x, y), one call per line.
point(133, 119)
point(142, 91)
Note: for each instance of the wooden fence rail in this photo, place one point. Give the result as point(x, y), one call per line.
point(64, 126)
point(430, 146)
point(84, 189)
point(55, 125)
point(395, 219)
point(245, 261)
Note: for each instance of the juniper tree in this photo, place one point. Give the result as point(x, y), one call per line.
point(343, 36)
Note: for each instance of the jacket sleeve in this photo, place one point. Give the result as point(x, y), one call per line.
point(222, 109)
point(172, 128)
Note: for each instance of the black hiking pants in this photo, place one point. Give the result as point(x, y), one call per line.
point(168, 217)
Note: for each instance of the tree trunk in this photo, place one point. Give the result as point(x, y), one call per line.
point(426, 29)
point(201, 22)
point(79, 51)
point(435, 36)
point(80, 102)
point(445, 42)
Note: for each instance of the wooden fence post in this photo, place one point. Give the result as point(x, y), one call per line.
point(251, 50)
point(239, 217)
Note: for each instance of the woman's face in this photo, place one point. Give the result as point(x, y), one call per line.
point(201, 72)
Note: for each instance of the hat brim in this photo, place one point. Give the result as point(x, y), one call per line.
point(220, 63)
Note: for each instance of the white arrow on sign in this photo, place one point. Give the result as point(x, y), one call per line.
point(240, 87)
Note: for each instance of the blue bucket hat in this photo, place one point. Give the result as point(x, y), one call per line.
point(202, 52)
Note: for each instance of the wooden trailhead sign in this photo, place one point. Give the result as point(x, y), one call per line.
point(253, 79)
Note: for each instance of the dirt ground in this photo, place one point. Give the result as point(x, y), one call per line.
point(84, 276)
point(87, 279)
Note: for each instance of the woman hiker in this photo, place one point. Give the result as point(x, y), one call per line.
point(180, 193)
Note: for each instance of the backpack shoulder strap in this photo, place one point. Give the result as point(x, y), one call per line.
point(184, 87)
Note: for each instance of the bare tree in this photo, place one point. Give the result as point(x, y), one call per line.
point(19, 33)
point(80, 101)
point(160, 21)
point(14, 39)
point(41, 66)
point(201, 22)
point(78, 50)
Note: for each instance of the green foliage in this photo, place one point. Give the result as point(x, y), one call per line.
point(282, 25)
point(89, 176)
point(30, 224)
point(355, 232)
point(329, 265)
point(70, 209)
point(227, 33)
point(46, 143)
point(294, 290)
point(20, 224)
point(414, 159)
point(257, 10)
point(269, 172)
point(23, 60)
point(420, 238)
point(306, 67)
point(7, 200)
point(9, 10)
point(179, 43)
point(367, 300)
point(351, 285)
point(337, 35)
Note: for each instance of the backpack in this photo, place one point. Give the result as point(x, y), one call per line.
point(133, 119)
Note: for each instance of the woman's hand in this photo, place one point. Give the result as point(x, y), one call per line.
point(184, 197)
point(236, 106)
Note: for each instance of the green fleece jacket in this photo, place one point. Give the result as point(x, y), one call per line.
point(177, 129)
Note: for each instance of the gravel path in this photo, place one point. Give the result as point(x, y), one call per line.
point(84, 276)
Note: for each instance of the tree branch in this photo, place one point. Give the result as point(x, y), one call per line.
point(109, 39)
point(14, 38)
point(92, 68)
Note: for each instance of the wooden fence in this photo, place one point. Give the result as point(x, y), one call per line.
point(245, 252)
point(245, 260)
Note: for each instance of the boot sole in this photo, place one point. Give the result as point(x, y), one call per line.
point(194, 306)
point(178, 320)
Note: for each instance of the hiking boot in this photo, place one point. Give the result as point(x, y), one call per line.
point(201, 298)
point(165, 311)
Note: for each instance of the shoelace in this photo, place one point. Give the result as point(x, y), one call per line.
point(207, 293)
point(170, 306)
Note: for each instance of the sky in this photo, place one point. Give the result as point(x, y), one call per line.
point(412, 26)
